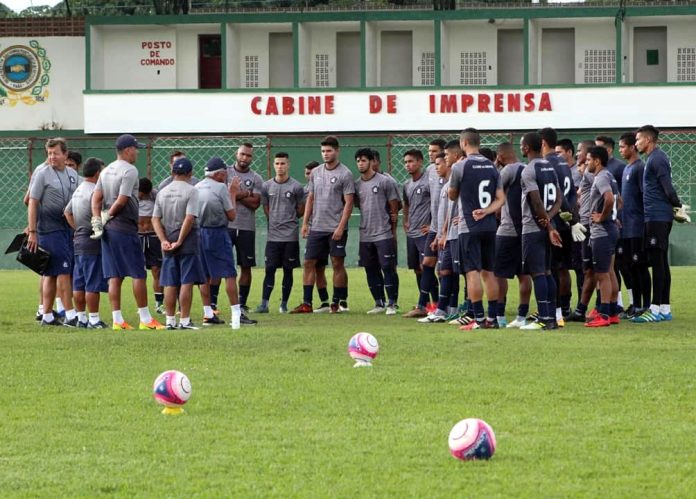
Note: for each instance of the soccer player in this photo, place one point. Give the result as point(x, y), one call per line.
point(115, 221)
point(327, 209)
point(283, 200)
point(88, 278)
point(435, 183)
point(149, 242)
point(174, 220)
point(374, 191)
point(172, 158)
point(320, 268)
point(661, 205)
point(417, 219)
point(217, 207)
point(50, 192)
point(541, 201)
point(633, 225)
point(508, 238)
point(74, 161)
point(604, 234)
point(243, 227)
point(475, 183)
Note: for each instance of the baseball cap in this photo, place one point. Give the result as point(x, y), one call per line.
point(182, 166)
point(127, 140)
point(214, 164)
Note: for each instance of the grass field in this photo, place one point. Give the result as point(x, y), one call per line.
point(277, 409)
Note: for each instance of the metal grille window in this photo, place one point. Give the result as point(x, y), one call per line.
point(686, 64)
point(251, 71)
point(321, 70)
point(473, 68)
point(427, 68)
point(600, 66)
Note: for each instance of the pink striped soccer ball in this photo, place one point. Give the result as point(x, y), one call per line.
point(172, 389)
point(363, 346)
point(472, 439)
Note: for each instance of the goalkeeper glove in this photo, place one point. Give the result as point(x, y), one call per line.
point(105, 217)
point(578, 231)
point(566, 216)
point(681, 214)
point(97, 228)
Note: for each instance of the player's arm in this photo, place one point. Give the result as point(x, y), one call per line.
point(393, 213)
point(185, 230)
point(608, 207)
point(69, 216)
point(249, 199)
point(537, 207)
point(309, 206)
point(557, 204)
point(347, 210)
point(119, 204)
point(492, 208)
point(159, 230)
point(32, 217)
point(665, 180)
point(405, 211)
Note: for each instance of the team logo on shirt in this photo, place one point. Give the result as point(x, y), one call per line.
point(288, 194)
point(441, 180)
point(247, 182)
point(375, 189)
point(653, 241)
point(333, 180)
point(419, 191)
point(24, 74)
point(72, 179)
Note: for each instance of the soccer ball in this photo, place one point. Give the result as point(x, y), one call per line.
point(171, 389)
point(472, 439)
point(363, 347)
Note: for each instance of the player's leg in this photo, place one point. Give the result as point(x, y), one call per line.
point(185, 300)
point(272, 260)
point(429, 258)
point(367, 259)
point(386, 255)
point(78, 286)
point(603, 264)
point(413, 261)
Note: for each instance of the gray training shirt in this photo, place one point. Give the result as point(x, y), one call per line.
point(282, 201)
point(213, 203)
point(80, 207)
point(328, 188)
point(249, 181)
point(147, 204)
point(416, 194)
point(372, 196)
point(53, 189)
point(435, 184)
point(120, 178)
point(538, 172)
point(604, 182)
point(170, 179)
point(172, 205)
point(511, 216)
point(585, 187)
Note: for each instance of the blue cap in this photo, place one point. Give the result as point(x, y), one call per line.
point(182, 166)
point(126, 141)
point(214, 164)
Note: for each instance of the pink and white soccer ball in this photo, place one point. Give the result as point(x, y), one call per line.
point(172, 389)
point(363, 347)
point(472, 439)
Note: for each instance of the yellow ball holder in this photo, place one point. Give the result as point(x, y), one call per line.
point(173, 411)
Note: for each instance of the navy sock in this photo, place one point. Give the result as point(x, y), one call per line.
point(565, 303)
point(391, 285)
point(214, 292)
point(307, 293)
point(434, 290)
point(323, 295)
point(478, 310)
point(454, 293)
point(268, 284)
point(374, 280)
point(287, 285)
point(582, 308)
point(445, 289)
point(427, 281)
point(604, 309)
point(523, 309)
point(159, 298)
point(243, 294)
point(492, 308)
point(598, 301)
point(551, 283)
point(613, 308)
point(500, 311)
point(541, 293)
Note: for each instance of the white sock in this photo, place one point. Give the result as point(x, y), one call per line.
point(500, 318)
point(520, 318)
point(655, 309)
point(145, 316)
point(48, 317)
point(82, 316)
point(70, 314)
point(117, 317)
point(208, 312)
point(630, 297)
point(619, 300)
point(665, 309)
point(40, 310)
point(94, 318)
point(559, 314)
point(185, 321)
point(171, 320)
point(59, 305)
point(236, 309)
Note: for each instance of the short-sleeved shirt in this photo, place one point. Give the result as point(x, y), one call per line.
point(616, 168)
point(453, 209)
point(36, 170)
point(328, 187)
point(577, 176)
point(172, 205)
point(416, 195)
point(447, 211)
point(193, 181)
point(282, 200)
point(249, 181)
point(565, 181)
point(539, 175)
point(435, 184)
point(80, 207)
point(511, 213)
point(371, 197)
point(655, 202)
point(53, 189)
point(146, 205)
point(213, 203)
point(632, 196)
point(478, 182)
point(585, 188)
point(120, 178)
point(604, 182)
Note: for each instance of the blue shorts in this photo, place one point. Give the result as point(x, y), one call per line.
point(444, 257)
point(152, 250)
point(476, 251)
point(603, 248)
point(88, 275)
point(536, 253)
point(415, 249)
point(429, 238)
point(216, 254)
point(181, 269)
point(59, 244)
point(562, 258)
point(586, 251)
point(508, 256)
point(321, 244)
point(378, 254)
point(282, 254)
point(244, 242)
point(122, 255)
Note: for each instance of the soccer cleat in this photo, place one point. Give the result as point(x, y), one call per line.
point(215, 309)
point(502, 323)
point(54, 322)
point(378, 309)
point(59, 315)
point(576, 316)
point(303, 308)
point(343, 306)
point(323, 309)
point(666, 317)
point(593, 313)
point(491, 324)
point(599, 321)
point(261, 310)
point(392, 310)
point(431, 307)
point(82, 325)
point(628, 313)
point(647, 316)
point(415, 313)
point(433, 319)
point(38, 317)
point(283, 309)
point(451, 317)
point(560, 322)
point(245, 321)
point(536, 325)
point(170, 327)
point(516, 324)
point(335, 308)
point(98, 325)
point(190, 325)
point(245, 309)
point(212, 321)
point(153, 324)
point(160, 309)
point(614, 319)
point(122, 326)
point(550, 325)
point(472, 325)
point(71, 323)
point(464, 320)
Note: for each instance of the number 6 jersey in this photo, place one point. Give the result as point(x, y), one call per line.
point(478, 181)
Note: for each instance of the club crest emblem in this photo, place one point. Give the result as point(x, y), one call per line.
point(333, 180)
point(247, 182)
point(375, 189)
point(288, 194)
point(24, 74)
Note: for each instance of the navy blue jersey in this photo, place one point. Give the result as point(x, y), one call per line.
point(567, 185)
point(616, 168)
point(478, 181)
point(632, 195)
point(538, 176)
point(655, 201)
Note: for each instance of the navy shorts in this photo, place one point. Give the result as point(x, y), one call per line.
point(562, 258)
point(181, 269)
point(285, 254)
point(378, 254)
point(320, 245)
point(603, 248)
point(415, 248)
point(244, 242)
point(577, 256)
point(508, 256)
point(444, 257)
point(216, 254)
point(88, 275)
point(59, 244)
point(476, 251)
point(429, 238)
point(586, 250)
point(152, 250)
point(536, 253)
point(634, 251)
point(122, 255)
point(657, 235)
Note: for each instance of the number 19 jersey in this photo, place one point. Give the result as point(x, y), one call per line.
point(539, 175)
point(478, 181)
